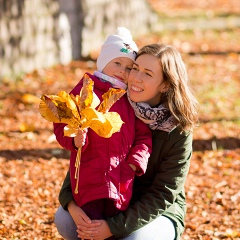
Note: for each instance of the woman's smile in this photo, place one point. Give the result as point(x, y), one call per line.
point(136, 89)
point(145, 80)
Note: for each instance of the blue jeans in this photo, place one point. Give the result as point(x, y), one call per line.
point(161, 228)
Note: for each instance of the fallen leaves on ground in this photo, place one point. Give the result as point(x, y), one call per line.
point(33, 165)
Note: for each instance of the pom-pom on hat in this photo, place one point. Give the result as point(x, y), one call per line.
point(120, 44)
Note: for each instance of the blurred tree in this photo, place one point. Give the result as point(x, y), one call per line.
point(42, 33)
point(74, 11)
point(91, 21)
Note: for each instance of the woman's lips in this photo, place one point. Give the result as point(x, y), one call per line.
point(136, 89)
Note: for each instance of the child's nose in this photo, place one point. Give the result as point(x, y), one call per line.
point(122, 70)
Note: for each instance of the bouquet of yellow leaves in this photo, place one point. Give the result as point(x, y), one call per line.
point(79, 112)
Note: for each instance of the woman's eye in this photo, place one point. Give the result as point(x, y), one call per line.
point(117, 63)
point(148, 74)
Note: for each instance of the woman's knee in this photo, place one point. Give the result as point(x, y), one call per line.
point(65, 224)
point(161, 228)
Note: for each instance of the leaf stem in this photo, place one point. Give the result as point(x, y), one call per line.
point(77, 169)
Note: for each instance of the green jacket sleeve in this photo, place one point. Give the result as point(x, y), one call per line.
point(65, 195)
point(162, 185)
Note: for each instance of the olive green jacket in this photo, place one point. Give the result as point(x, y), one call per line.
point(160, 191)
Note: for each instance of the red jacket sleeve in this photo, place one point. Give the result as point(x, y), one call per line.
point(142, 147)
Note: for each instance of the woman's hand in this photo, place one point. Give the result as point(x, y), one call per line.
point(97, 230)
point(77, 214)
point(80, 138)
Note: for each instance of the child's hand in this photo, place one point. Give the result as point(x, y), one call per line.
point(80, 139)
point(134, 168)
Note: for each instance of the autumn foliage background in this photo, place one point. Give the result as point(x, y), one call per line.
point(33, 165)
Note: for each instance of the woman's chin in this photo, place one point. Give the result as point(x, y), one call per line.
point(134, 98)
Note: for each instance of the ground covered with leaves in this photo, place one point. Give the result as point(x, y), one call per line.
point(33, 165)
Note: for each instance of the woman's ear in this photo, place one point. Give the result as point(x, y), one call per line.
point(165, 88)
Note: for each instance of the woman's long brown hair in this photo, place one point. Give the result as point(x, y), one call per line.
point(179, 98)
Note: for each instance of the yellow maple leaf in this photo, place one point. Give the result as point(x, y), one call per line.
point(109, 98)
point(104, 124)
point(70, 131)
point(86, 95)
point(79, 112)
point(115, 120)
point(70, 103)
point(55, 108)
point(91, 114)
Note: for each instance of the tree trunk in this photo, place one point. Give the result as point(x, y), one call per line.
point(42, 33)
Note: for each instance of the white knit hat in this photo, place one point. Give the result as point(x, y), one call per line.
point(120, 44)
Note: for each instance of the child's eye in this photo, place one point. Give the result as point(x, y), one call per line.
point(135, 68)
point(117, 63)
point(129, 69)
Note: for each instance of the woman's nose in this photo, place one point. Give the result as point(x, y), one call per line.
point(138, 79)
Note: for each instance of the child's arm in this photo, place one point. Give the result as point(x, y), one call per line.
point(65, 142)
point(141, 149)
point(70, 143)
point(134, 168)
point(81, 138)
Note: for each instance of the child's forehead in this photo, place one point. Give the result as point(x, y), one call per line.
point(125, 60)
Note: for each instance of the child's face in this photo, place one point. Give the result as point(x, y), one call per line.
point(119, 68)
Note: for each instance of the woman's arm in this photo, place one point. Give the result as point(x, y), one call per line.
point(65, 195)
point(77, 214)
point(165, 176)
point(97, 229)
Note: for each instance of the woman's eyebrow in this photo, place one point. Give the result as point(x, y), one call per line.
point(146, 69)
point(149, 70)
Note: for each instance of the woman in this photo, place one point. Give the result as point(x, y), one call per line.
point(157, 80)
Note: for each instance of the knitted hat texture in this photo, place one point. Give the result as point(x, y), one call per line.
point(119, 44)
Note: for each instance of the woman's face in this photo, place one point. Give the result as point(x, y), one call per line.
point(145, 82)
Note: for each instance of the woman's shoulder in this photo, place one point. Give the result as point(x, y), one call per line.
point(174, 143)
point(176, 135)
point(176, 132)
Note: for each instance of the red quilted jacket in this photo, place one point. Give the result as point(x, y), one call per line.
point(104, 169)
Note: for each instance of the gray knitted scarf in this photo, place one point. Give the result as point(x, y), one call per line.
point(159, 118)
